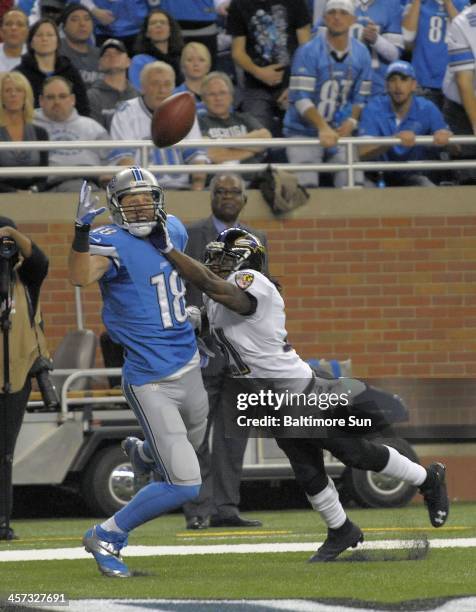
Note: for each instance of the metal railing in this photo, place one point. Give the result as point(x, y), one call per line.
point(351, 166)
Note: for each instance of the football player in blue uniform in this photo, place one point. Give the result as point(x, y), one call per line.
point(424, 31)
point(144, 311)
point(329, 85)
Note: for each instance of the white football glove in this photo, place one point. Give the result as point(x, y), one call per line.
point(194, 315)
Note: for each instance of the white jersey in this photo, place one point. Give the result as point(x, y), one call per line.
point(462, 51)
point(9, 63)
point(256, 345)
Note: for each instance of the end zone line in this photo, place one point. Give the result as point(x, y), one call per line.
point(213, 549)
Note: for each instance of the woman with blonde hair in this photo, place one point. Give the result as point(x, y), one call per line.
point(195, 63)
point(16, 115)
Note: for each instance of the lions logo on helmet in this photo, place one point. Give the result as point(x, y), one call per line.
point(234, 249)
point(137, 217)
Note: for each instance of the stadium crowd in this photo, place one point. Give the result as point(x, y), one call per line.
point(260, 69)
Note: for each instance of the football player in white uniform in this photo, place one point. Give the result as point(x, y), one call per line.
point(246, 312)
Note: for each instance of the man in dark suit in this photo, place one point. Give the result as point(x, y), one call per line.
point(217, 504)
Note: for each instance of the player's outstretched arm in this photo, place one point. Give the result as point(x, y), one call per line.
point(199, 275)
point(84, 268)
point(215, 287)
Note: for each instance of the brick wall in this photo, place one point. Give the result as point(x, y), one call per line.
point(389, 282)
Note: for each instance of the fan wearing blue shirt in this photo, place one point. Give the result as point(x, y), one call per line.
point(330, 82)
point(424, 32)
point(402, 114)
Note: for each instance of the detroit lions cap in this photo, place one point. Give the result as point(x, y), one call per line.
point(343, 5)
point(400, 67)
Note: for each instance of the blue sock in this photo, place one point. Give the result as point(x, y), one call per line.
point(111, 536)
point(153, 500)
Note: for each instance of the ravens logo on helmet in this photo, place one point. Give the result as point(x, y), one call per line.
point(234, 249)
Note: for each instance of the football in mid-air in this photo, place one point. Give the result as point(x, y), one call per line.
point(172, 119)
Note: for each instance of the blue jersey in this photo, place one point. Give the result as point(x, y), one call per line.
point(387, 16)
point(187, 10)
point(144, 307)
point(129, 16)
point(424, 119)
point(333, 86)
point(430, 50)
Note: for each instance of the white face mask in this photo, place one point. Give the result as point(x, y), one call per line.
point(140, 230)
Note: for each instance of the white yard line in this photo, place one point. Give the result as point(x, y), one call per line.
point(217, 549)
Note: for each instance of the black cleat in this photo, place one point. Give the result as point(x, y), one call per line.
point(435, 494)
point(337, 541)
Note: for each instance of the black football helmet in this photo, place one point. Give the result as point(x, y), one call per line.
point(234, 249)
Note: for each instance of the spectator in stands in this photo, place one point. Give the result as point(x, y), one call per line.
point(14, 32)
point(424, 31)
point(43, 60)
point(62, 121)
point(195, 63)
point(131, 121)
point(378, 26)
point(402, 114)
point(16, 116)
point(78, 28)
point(5, 6)
point(198, 20)
point(220, 121)
point(265, 36)
point(43, 9)
point(160, 39)
point(107, 92)
point(120, 19)
point(459, 86)
point(330, 82)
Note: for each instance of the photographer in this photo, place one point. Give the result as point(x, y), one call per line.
point(23, 267)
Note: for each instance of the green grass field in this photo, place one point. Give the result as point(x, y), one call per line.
point(442, 573)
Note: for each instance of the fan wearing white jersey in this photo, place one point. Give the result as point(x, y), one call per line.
point(249, 311)
point(459, 85)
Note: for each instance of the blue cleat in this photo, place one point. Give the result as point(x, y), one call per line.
point(142, 470)
point(107, 554)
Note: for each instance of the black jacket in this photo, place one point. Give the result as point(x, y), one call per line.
point(63, 67)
